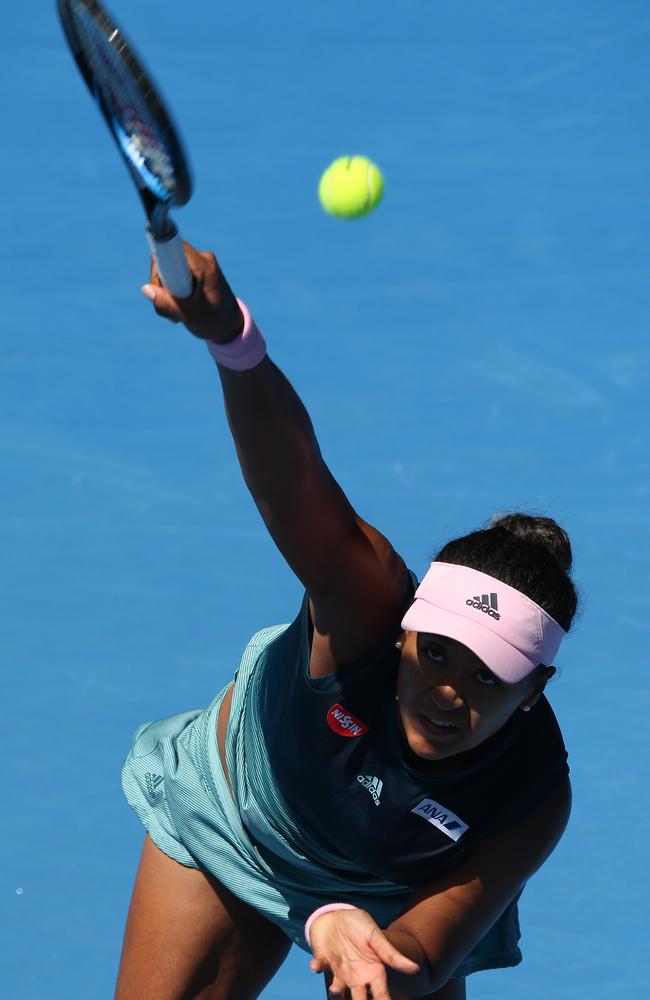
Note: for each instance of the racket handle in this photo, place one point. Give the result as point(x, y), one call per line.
point(172, 264)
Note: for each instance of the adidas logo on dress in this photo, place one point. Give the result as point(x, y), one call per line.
point(487, 603)
point(374, 785)
point(152, 782)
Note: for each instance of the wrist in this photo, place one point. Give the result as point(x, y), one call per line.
point(328, 908)
point(230, 329)
point(244, 351)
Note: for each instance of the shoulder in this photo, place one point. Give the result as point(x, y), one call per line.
point(361, 604)
point(506, 860)
point(520, 848)
point(451, 914)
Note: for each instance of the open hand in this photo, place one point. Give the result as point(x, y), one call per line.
point(350, 945)
point(211, 312)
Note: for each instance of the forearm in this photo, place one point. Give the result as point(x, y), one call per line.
point(271, 428)
point(280, 458)
point(304, 509)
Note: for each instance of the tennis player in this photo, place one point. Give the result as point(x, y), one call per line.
point(384, 774)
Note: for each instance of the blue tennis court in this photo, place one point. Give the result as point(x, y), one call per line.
point(479, 343)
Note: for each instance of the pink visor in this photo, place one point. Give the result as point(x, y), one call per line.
point(503, 627)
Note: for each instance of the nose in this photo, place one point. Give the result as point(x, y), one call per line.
point(447, 698)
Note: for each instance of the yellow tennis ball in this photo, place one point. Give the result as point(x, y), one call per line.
point(350, 187)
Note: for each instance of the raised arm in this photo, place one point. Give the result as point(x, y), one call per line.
point(356, 581)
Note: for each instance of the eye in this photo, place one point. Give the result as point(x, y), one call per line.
point(489, 680)
point(436, 654)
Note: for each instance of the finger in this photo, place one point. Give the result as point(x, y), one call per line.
point(337, 986)
point(200, 263)
point(360, 993)
point(401, 963)
point(389, 955)
point(154, 274)
point(164, 303)
point(194, 261)
point(193, 255)
point(379, 988)
point(318, 965)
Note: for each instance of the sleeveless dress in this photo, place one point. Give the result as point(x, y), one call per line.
point(324, 808)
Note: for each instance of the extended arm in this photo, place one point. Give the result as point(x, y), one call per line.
point(356, 581)
point(444, 919)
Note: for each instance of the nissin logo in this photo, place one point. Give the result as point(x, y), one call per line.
point(343, 723)
point(444, 819)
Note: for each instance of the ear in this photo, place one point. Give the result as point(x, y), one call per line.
point(542, 680)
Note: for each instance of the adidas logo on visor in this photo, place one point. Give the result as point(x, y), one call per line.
point(487, 603)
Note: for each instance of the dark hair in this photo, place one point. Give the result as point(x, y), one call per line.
point(531, 554)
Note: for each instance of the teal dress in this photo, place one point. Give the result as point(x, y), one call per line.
point(250, 838)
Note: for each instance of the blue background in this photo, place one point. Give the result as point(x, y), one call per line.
point(479, 343)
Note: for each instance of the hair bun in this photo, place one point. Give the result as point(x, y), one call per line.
point(531, 554)
point(540, 531)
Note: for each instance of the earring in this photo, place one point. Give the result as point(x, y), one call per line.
point(398, 644)
point(525, 708)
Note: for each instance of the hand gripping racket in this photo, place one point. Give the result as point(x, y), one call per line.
point(141, 126)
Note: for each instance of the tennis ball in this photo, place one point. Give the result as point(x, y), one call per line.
point(350, 187)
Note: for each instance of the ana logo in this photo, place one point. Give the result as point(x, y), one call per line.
point(344, 724)
point(487, 603)
point(374, 785)
point(444, 819)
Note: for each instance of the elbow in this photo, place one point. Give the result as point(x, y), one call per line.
point(425, 983)
point(420, 984)
point(434, 971)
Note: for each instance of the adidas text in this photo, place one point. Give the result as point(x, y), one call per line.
point(374, 785)
point(487, 605)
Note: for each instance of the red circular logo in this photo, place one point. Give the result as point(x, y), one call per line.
point(343, 723)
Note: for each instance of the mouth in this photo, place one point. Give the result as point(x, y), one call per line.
point(436, 727)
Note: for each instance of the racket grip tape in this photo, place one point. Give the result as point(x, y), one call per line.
point(172, 264)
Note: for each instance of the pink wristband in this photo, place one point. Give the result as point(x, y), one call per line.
point(328, 908)
point(245, 351)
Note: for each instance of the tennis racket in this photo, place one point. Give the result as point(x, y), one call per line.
point(141, 126)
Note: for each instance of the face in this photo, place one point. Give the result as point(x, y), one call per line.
point(441, 680)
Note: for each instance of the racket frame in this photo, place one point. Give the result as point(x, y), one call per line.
point(162, 234)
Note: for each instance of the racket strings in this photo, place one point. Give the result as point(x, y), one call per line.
point(137, 132)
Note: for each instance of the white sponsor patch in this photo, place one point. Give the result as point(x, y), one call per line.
point(442, 818)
